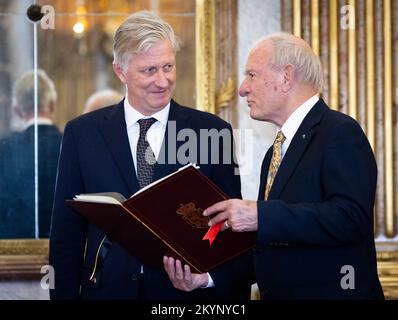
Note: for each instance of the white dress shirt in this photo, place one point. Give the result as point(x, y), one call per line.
point(292, 124)
point(155, 134)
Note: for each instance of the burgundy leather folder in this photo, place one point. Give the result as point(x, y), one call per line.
point(167, 219)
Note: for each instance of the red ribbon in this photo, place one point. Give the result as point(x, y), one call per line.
point(212, 232)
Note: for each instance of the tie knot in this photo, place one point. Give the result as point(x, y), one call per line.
point(145, 124)
point(280, 138)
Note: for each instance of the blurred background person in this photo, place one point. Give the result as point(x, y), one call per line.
point(102, 98)
point(17, 160)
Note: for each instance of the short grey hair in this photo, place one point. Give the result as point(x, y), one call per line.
point(287, 50)
point(24, 93)
point(138, 33)
point(102, 98)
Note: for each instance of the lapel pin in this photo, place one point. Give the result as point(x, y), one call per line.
point(304, 136)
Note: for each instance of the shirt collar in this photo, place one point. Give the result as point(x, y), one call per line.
point(132, 115)
point(40, 121)
point(292, 124)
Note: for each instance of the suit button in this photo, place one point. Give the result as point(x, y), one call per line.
point(134, 277)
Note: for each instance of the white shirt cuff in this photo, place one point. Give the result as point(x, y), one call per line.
point(210, 283)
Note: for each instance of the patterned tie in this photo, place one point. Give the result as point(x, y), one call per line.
point(145, 156)
point(275, 162)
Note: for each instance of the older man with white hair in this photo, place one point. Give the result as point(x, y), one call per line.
point(314, 214)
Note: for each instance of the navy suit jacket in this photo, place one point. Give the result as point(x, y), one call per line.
point(17, 181)
point(319, 215)
point(96, 157)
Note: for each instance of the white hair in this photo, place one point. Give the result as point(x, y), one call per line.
point(102, 98)
point(287, 49)
point(24, 93)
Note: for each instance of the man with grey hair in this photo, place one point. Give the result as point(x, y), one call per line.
point(105, 151)
point(17, 160)
point(314, 214)
point(102, 98)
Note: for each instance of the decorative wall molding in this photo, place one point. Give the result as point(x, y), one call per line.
point(225, 94)
point(216, 60)
point(387, 264)
point(23, 259)
point(205, 55)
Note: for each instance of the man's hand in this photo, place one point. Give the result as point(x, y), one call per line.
point(183, 279)
point(239, 215)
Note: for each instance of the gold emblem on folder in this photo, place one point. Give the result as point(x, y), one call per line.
point(192, 215)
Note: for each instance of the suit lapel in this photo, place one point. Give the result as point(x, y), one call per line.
point(167, 161)
point(297, 147)
point(114, 131)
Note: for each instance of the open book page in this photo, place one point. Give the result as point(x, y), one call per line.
point(117, 198)
point(104, 197)
point(164, 178)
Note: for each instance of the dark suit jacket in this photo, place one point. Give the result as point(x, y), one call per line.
point(17, 184)
point(319, 216)
point(96, 157)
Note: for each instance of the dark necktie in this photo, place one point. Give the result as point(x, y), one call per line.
point(145, 157)
point(275, 162)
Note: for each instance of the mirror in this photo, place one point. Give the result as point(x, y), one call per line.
point(72, 44)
